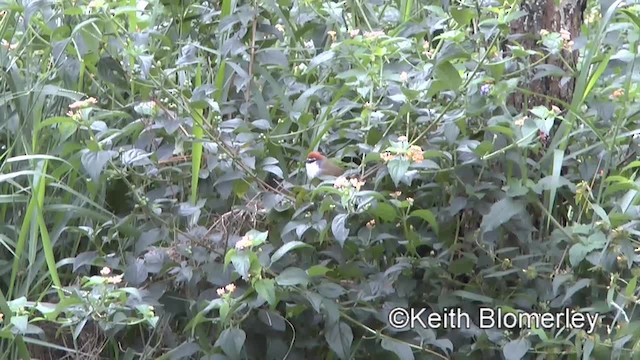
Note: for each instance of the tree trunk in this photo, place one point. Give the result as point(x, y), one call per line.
point(545, 15)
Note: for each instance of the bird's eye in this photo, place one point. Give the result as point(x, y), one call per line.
point(311, 160)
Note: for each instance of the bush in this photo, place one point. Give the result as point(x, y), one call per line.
point(156, 203)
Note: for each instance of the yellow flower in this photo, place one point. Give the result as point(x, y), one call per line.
point(116, 279)
point(332, 35)
point(568, 45)
point(220, 291)
point(309, 44)
point(341, 183)
point(387, 156)
point(243, 243)
point(544, 32)
point(617, 93)
point(230, 288)
point(7, 45)
point(80, 104)
point(357, 184)
point(373, 34)
point(95, 4)
point(371, 224)
point(415, 153)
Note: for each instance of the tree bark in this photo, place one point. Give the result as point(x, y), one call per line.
point(545, 15)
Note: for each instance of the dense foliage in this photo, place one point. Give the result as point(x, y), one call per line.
point(154, 202)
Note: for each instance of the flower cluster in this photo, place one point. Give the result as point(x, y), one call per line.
point(485, 89)
point(80, 104)
point(310, 45)
point(226, 290)
point(371, 224)
point(565, 35)
point(427, 49)
point(593, 16)
point(7, 45)
point(95, 4)
point(414, 153)
point(344, 183)
point(520, 122)
point(617, 94)
point(373, 34)
point(115, 279)
point(567, 43)
point(243, 243)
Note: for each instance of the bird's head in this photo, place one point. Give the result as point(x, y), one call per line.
point(318, 165)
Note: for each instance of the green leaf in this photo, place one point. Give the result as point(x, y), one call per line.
point(21, 323)
point(631, 287)
point(94, 162)
point(579, 285)
point(402, 350)
point(241, 263)
point(182, 351)
point(587, 349)
point(339, 337)
point(474, 297)
point(448, 73)
point(110, 70)
point(427, 216)
point(461, 266)
point(284, 249)
point(257, 237)
point(338, 228)
point(323, 57)
point(231, 342)
point(516, 349)
point(224, 310)
point(462, 15)
point(292, 276)
point(501, 212)
point(317, 270)
point(632, 165)
point(267, 290)
point(397, 168)
point(577, 253)
point(384, 212)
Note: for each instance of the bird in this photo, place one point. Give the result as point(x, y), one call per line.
point(318, 165)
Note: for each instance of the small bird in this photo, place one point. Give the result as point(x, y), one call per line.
point(318, 165)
